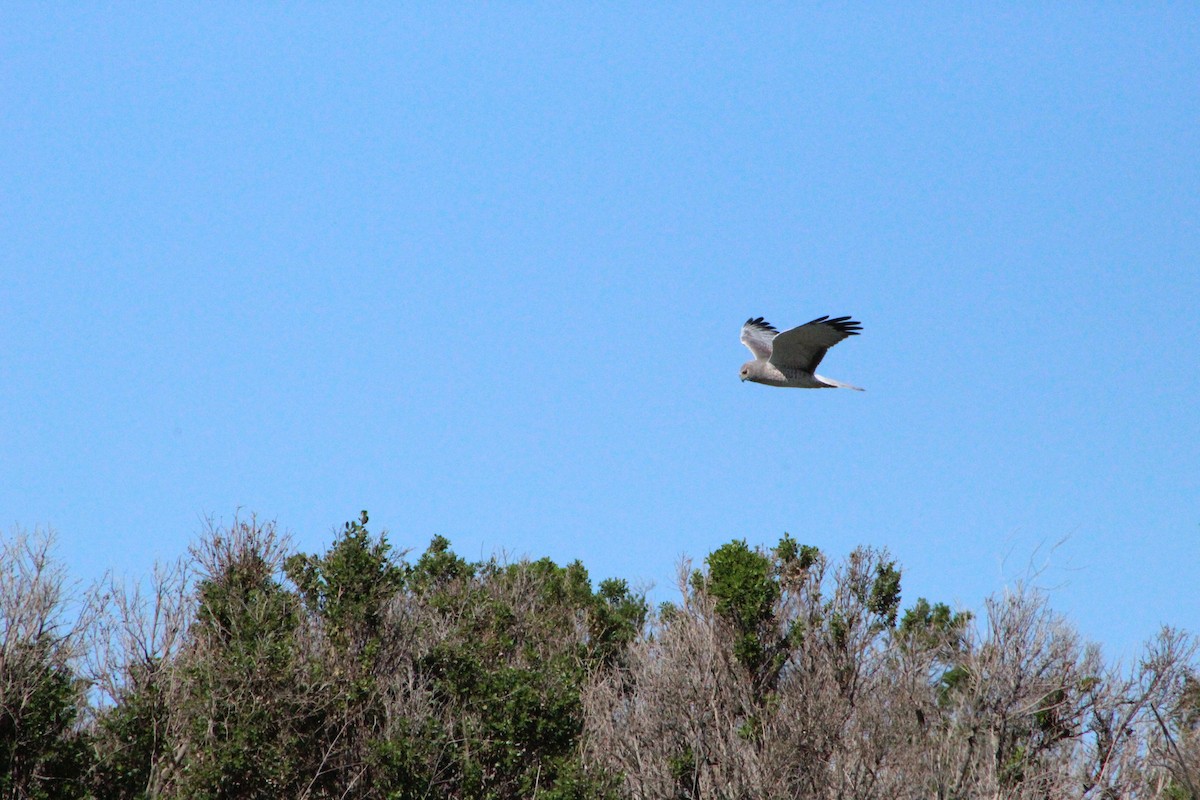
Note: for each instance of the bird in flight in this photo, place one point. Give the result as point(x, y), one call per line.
point(790, 358)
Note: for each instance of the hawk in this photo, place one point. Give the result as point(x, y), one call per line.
point(789, 358)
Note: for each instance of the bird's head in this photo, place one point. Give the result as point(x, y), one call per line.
point(747, 371)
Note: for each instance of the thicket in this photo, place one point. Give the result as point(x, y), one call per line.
point(248, 670)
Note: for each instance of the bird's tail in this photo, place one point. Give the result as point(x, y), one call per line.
point(832, 384)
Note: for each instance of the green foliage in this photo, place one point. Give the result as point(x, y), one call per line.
point(575, 780)
point(244, 717)
point(1175, 790)
point(934, 627)
point(884, 600)
point(1013, 770)
point(1047, 718)
point(789, 552)
point(742, 582)
point(950, 682)
point(439, 567)
point(41, 754)
point(685, 772)
point(129, 738)
point(808, 556)
point(941, 632)
point(839, 630)
point(616, 616)
point(288, 692)
point(348, 588)
point(347, 591)
point(509, 675)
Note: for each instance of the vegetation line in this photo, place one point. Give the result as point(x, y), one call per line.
point(249, 670)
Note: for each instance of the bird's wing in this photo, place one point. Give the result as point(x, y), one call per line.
point(805, 346)
point(757, 334)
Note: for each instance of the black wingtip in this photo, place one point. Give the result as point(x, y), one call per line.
point(759, 322)
point(845, 325)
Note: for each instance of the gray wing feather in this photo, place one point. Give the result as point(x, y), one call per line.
point(757, 334)
point(805, 346)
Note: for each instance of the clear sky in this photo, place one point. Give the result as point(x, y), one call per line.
point(481, 269)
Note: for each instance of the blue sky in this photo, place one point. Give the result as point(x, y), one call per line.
point(481, 271)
